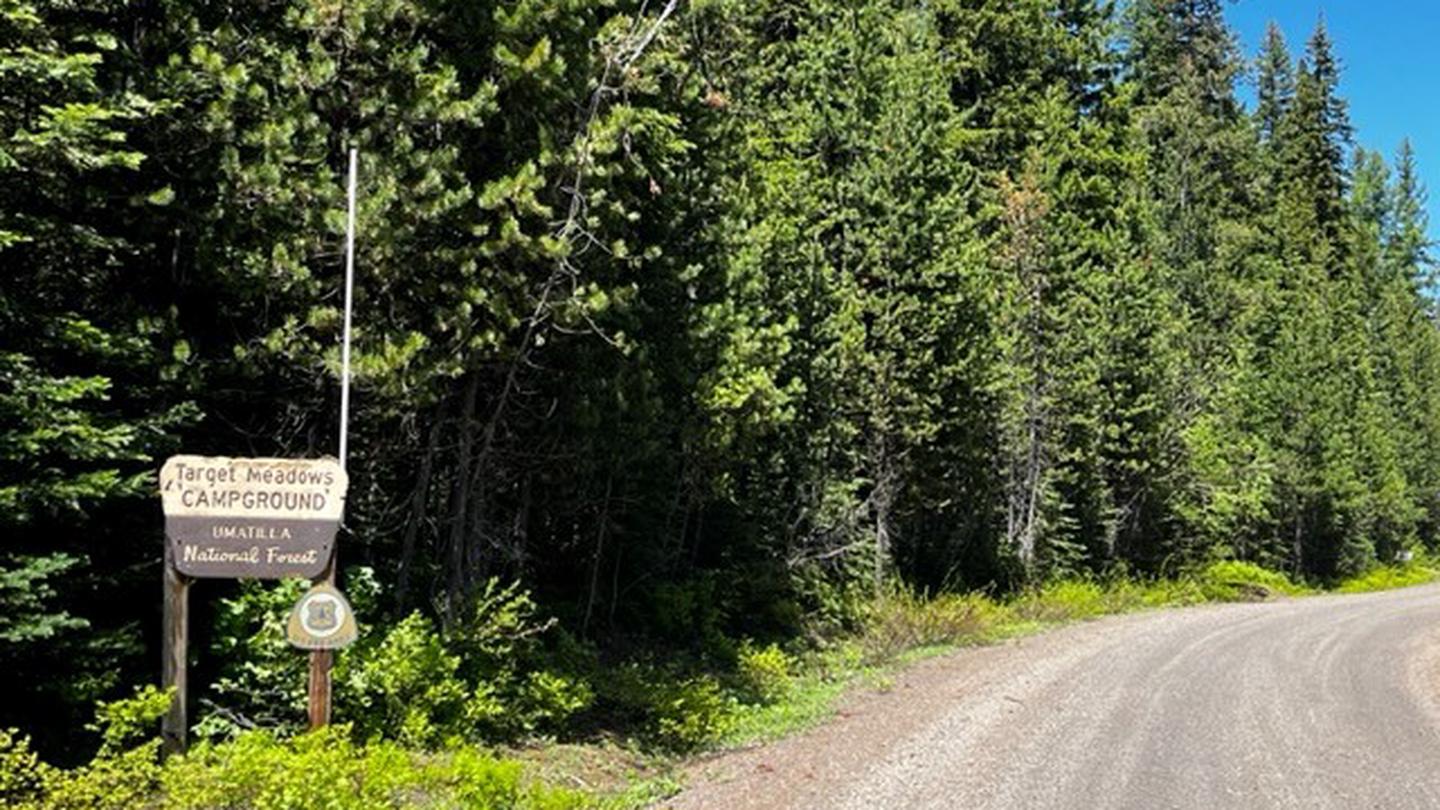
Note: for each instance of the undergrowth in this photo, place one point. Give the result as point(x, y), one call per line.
point(765, 692)
point(257, 769)
point(1417, 571)
point(903, 624)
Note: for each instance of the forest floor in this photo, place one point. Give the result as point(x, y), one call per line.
point(1317, 702)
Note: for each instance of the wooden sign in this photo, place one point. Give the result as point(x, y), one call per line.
point(321, 620)
point(264, 518)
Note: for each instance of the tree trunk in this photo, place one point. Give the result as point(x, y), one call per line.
point(460, 503)
point(599, 555)
point(418, 503)
point(1299, 548)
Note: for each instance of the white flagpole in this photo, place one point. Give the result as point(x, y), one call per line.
point(318, 697)
point(349, 296)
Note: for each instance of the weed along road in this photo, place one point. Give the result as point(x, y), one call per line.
point(1325, 702)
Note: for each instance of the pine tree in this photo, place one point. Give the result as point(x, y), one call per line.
point(1394, 245)
point(1407, 240)
point(1275, 84)
point(1316, 145)
point(1197, 202)
point(1081, 357)
point(85, 405)
point(1338, 484)
point(837, 351)
point(1180, 42)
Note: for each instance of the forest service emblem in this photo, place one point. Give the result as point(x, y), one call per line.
point(321, 620)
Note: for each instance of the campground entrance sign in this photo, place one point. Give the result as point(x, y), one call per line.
point(262, 518)
point(251, 518)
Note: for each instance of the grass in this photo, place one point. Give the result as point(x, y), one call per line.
point(903, 626)
point(607, 768)
point(811, 700)
point(772, 693)
point(1416, 572)
point(1232, 581)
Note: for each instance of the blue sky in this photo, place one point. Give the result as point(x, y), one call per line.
point(1390, 55)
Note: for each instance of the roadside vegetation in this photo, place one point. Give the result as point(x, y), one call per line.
point(1386, 577)
point(754, 694)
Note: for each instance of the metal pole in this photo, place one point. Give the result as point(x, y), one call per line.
point(321, 661)
point(349, 300)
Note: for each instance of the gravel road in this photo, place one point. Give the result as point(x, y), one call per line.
point(1327, 702)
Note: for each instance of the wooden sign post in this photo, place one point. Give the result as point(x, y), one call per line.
point(321, 622)
point(260, 518)
point(172, 654)
point(322, 661)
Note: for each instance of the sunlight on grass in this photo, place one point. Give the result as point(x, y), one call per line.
point(1384, 578)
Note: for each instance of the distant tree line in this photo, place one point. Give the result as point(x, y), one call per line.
point(694, 316)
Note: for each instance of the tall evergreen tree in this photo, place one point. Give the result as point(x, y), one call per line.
point(1317, 141)
point(85, 361)
point(1333, 450)
point(1275, 84)
point(1407, 240)
point(1199, 156)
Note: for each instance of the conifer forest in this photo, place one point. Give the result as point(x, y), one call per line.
point(684, 331)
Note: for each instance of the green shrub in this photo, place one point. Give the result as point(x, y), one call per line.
point(124, 724)
point(547, 699)
point(404, 686)
point(834, 599)
point(123, 775)
point(118, 781)
point(1063, 600)
point(691, 613)
point(22, 775)
point(679, 711)
point(537, 701)
point(1417, 572)
point(693, 712)
point(628, 692)
point(665, 705)
point(764, 672)
point(484, 680)
point(477, 780)
point(516, 693)
point(903, 619)
point(259, 770)
point(468, 778)
point(327, 769)
point(423, 689)
point(1235, 581)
